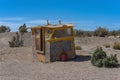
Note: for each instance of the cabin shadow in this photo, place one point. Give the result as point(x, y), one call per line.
point(80, 58)
point(118, 66)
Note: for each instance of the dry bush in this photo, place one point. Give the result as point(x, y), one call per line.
point(101, 32)
point(78, 48)
point(4, 29)
point(110, 61)
point(107, 45)
point(16, 41)
point(116, 46)
point(23, 29)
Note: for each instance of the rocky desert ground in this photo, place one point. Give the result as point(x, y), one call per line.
point(19, 63)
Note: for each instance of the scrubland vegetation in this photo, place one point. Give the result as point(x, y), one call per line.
point(17, 41)
point(100, 32)
point(100, 58)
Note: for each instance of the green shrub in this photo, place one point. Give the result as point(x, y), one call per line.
point(107, 45)
point(110, 61)
point(4, 29)
point(116, 46)
point(78, 48)
point(97, 57)
point(100, 59)
point(16, 41)
point(23, 29)
point(101, 32)
point(99, 63)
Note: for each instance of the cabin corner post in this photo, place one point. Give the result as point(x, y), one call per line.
point(73, 34)
point(33, 43)
point(47, 51)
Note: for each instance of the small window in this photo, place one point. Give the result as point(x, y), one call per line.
point(39, 40)
point(62, 33)
point(69, 31)
point(37, 33)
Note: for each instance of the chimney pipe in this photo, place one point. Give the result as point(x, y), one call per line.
point(47, 22)
point(59, 21)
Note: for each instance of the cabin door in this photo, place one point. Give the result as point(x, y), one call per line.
point(40, 41)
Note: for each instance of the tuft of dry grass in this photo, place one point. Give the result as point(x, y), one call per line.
point(78, 48)
point(107, 45)
point(116, 46)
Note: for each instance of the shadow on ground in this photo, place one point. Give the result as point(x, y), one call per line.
point(80, 58)
point(118, 66)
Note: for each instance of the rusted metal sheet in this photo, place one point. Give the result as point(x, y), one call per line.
point(47, 52)
point(59, 47)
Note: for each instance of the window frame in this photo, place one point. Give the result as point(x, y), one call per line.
point(52, 37)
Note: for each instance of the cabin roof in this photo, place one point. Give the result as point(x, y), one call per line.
point(54, 26)
point(60, 25)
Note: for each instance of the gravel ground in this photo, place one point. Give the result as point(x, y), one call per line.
point(16, 70)
point(19, 63)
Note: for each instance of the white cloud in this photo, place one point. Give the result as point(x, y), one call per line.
point(12, 19)
point(37, 22)
point(41, 22)
point(78, 22)
point(9, 23)
point(15, 22)
point(116, 24)
point(14, 26)
point(85, 25)
point(113, 26)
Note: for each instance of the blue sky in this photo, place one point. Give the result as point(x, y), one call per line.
point(84, 14)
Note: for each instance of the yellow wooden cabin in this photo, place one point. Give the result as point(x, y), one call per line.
point(51, 41)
